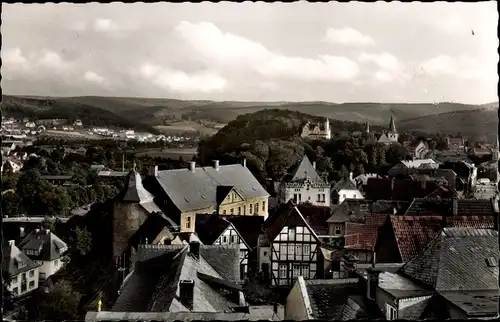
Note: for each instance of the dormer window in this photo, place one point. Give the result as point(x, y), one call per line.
point(491, 262)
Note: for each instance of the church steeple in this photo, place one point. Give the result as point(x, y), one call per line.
point(392, 125)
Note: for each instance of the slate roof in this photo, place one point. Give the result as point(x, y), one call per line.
point(209, 227)
point(364, 235)
point(12, 255)
point(384, 139)
point(445, 207)
point(249, 228)
point(50, 246)
point(413, 233)
point(403, 190)
point(284, 215)
point(344, 184)
point(355, 210)
point(153, 285)
point(151, 228)
point(401, 287)
point(190, 191)
point(305, 170)
point(442, 193)
point(134, 191)
point(316, 217)
point(328, 297)
point(456, 261)
point(474, 303)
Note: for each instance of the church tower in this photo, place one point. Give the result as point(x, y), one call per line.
point(328, 132)
point(392, 134)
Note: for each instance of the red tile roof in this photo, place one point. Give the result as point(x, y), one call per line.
point(364, 235)
point(413, 233)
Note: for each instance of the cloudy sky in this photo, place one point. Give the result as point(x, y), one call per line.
point(338, 52)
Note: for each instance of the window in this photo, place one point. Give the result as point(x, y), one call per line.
point(283, 250)
point(251, 208)
point(306, 250)
point(56, 262)
point(23, 277)
point(296, 271)
point(31, 284)
point(324, 197)
point(224, 239)
point(244, 209)
point(282, 270)
point(291, 251)
point(295, 197)
point(319, 198)
point(338, 229)
point(32, 273)
point(300, 198)
point(305, 271)
point(15, 290)
point(354, 196)
point(298, 251)
point(343, 196)
point(263, 206)
point(23, 288)
point(232, 211)
point(239, 211)
point(291, 233)
point(188, 222)
point(224, 211)
point(257, 208)
point(233, 239)
point(390, 313)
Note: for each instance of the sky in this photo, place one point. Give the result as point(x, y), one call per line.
point(335, 52)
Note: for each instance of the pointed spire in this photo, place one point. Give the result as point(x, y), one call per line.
point(392, 125)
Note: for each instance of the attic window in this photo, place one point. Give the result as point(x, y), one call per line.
point(491, 262)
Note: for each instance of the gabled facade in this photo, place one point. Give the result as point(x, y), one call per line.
point(292, 247)
point(305, 186)
point(46, 250)
point(317, 131)
point(417, 150)
point(23, 272)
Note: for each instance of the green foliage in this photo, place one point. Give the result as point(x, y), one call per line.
point(83, 241)
point(61, 303)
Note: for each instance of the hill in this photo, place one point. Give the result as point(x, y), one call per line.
point(150, 112)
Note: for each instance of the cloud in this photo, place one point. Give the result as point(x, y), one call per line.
point(14, 57)
point(389, 67)
point(463, 66)
point(105, 25)
point(182, 82)
point(93, 77)
point(232, 52)
point(348, 36)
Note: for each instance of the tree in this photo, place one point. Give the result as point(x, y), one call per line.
point(83, 241)
point(7, 295)
point(61, 303)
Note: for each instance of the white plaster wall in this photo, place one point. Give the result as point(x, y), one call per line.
point(310, 195)
point(49, 268)
point(16, 282)
point(349, 194)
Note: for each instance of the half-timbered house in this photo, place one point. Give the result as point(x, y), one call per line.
point(292, 247)
point(231, 230)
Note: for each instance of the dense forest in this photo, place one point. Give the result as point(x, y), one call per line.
point(270, 141)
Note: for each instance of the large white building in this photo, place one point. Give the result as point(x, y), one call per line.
point(305, 186)
point(23, 272)
point(317, 131)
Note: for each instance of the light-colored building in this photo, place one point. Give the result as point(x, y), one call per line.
point(305, 186)
point(317, 131)
point(221, 189)
point(391, 136)
point(345, 189)
point(417, 149)
point(45, 249)
point(23, 272)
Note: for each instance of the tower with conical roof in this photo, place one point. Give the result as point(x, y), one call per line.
point(392, 134)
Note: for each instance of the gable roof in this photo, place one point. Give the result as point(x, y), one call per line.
point(445, 207)
point(50, 246)
point(364, 235)
point(344, 184)
point(305, 170)
point(154, 224)
point(285, 215)
point(209, 227)
point(457, 260)
point(397, 189)
point(153, 285)
point(248, 227)
point(413, 233)
point(355, 210)
point(12, 255)
point(133, 190)
point(190, 191)
point(316, 217)
point(328, 297)
point(384, 139)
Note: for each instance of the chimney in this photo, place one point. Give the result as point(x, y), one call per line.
point(21, 232)
point(374, 259)
point(192, 166)
point(455, 207)
point(314, 165)
point(12, 242)
point(373, 279)
point(194, 248)
point(153, 171)
point(350, 176)
point(186, 293)
point(245, 162)
point(216, 165)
